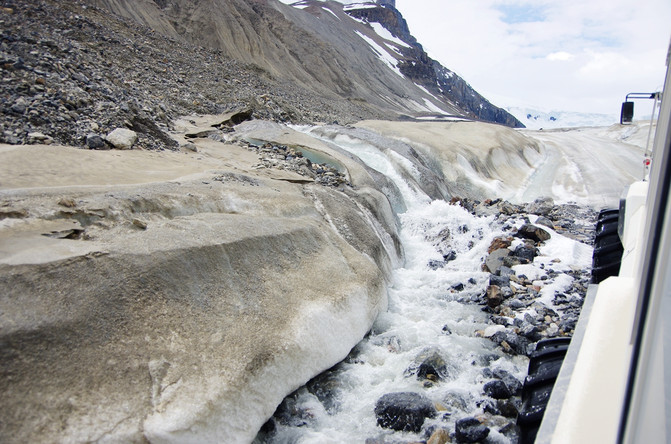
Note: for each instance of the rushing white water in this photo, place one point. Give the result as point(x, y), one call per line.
point(428, 309)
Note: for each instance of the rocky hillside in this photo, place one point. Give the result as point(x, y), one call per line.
point(75, 69)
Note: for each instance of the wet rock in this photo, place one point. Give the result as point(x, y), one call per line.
point(506, 272)
point(507, 208)
point(435, 264)
point(439, 436)
point(545, 222)
point(507, 408)
point(450, 255)
point(525, 252)
point(530, 231)
point(429, 365)
point(469, 430)
point(489, 406)
point(511, 342)
point(501, 320)
point(568, 323)
point(530, 332)
point(326, 387)
point(494, 296)
point(541, 206)
point(500, 281)
point(458, 287)
point(511, 431)
point(497, 389)
point(499, 243)
point(404, 411)
point(292, 413)
point(494, 261)
point(552, 330)
point(122, 138)
point(454, 401)
point(515, 304)
point(511, 261)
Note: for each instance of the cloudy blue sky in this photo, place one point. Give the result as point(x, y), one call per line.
point(554, 55)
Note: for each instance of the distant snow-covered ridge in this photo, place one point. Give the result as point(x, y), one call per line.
point(534, 119)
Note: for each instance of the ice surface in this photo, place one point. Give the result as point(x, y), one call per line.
point(423, 302)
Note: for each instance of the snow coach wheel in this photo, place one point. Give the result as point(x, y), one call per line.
point(608, 248)
point(544, 366)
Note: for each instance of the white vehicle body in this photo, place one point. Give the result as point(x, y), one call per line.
point(615, 382)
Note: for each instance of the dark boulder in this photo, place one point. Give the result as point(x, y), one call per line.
point(536, 234)
point(500, 281)
point(470, 430)
point(497, 389)
point(404, 411)
point(525, 252)
point(545, 222)
point(511, 342)
point(507, 408)
point(95, 142)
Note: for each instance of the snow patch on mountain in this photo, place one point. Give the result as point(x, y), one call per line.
point(382, 53)
point(385, 34)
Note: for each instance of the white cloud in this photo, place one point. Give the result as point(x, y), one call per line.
point(560, 56)
point(577, 55)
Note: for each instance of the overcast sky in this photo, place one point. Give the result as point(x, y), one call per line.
point(555, 55)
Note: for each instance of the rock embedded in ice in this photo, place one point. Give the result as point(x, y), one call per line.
point(530, 231)
point(499, 243)
point(404, 411)
point(500, 281)
point(470, 430)
point(494, 261)
point(541, 206)
point(526, 253)
point(542, 220)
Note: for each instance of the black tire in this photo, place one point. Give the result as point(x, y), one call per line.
point(611, 212)
point(608, 249)
point(544, 366)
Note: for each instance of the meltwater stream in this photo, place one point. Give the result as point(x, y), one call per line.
point(430, 313)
